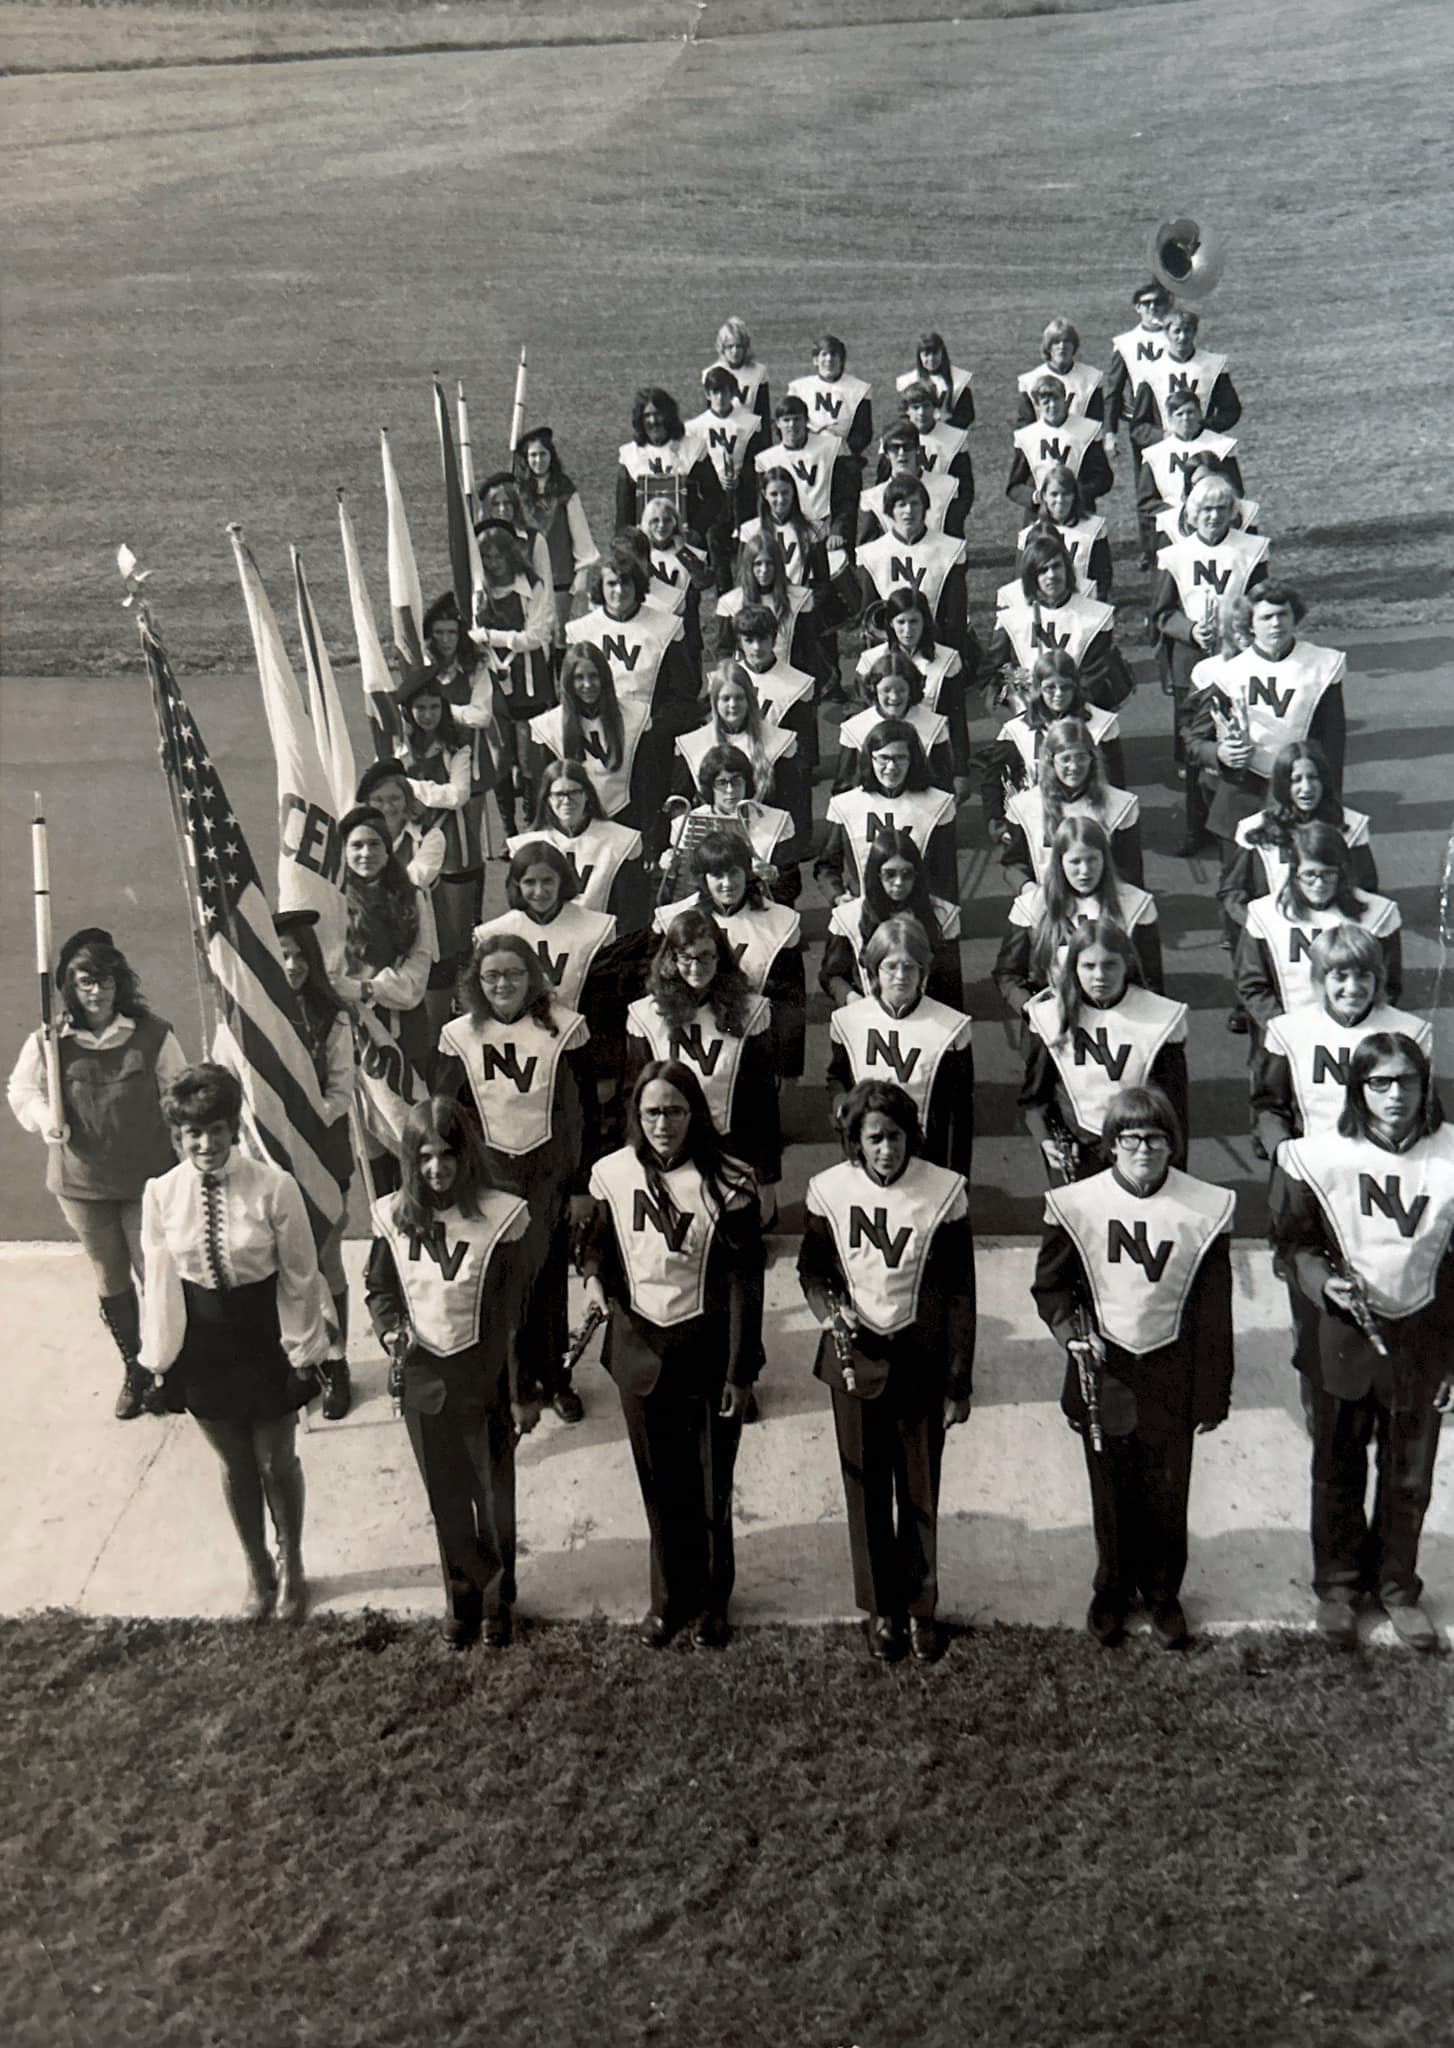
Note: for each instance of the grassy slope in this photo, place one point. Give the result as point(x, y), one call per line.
point(220, 282)
point(348, 1837)
point(131, 34)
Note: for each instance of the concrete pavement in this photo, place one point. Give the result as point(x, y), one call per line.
point(127, 1519)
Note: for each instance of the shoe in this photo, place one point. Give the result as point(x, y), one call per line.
point(750, 1410)
point(1106, 1623)
point(568, 1406)
point(1337, 1622)
point(1168, 1626)
point(262, 1597)
point(154, 1395)
point(293, 1596)
point(495, 1631)
point(337, 1389)
point(1238, 1023)
point(461, 1625)
point(711, 1632)
point(885, 1639)
point(1413, 1627)
point(655, 1631)
point(926, 1639)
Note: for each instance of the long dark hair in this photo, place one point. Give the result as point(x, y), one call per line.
point(383, 915)
point(1039, 554)
point(568, 770)
point(1069, 996)
point(446, 734)
point(1326, 845)
point(572, 737)
point(906, 600)
point(1060, 919)
point(764, 546)
point(444, 1119)
point(797, 518)
point(1386, 1045)
point(100, 956)
point(885, 1098)
point(888, 845)
point(555, 485)
point(665, 404)
point(471, 997)
point(540, 853)
point(730, 996)
point(726, 1179)
point(317, 1000)
point(1281, 817)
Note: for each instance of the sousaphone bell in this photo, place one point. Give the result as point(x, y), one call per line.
point(1187, 258)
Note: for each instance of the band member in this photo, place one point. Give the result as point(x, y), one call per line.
point(553, 508)
point(1197, 576)
point(1081, 886)
point(605, 856)
point(1060, 438)
point(1052, 689)
point(515, 624)
point(527, 1063)
point(436, 756)
point(699, 1010)
point(895, 692)
point(1134, 1279)
point(785, 695)
point(663, 460)
point(894, 794)
point(896, 1031)
point(418, 845)
point(725, 804)
point(673, 1253)
point(766, 937)
point(1362, 1218)
point(1301, 790)
point(542, 891)
point(1248, 706)
point(733, 431)
point(1132, 353)
point(1048, 615)
point(679, 570)
point(887, 1267)
point(1061, 514)
point(950, 385)
point(904, 453)
point(1172, 462)
point(827, 477)
point(903, 624)
point(1071, 782)
point(604, 732)
point(894, 885)
point(1301, 1072)
point(910, 555)
point(805, 545)
point(107, 1136)
point(1093, 1031)
point(837, 402)
point(1084, 387)
point(1183, 367)
point(734, 353)
point(447, 1289)
point(763, 584)
point(643, 643)
point(1272, 967)
point(233, 1321)
point(944, 447)
point(735, 719)
point(390, 944)
point(326, 1029)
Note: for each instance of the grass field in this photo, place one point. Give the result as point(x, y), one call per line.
point(348, 1837)
point(219, 283)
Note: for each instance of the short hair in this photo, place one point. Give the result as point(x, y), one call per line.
point(1276, 591)
point(720, 378)
point(1349, 945)
point(1137, 1108)
point(564, 771)
point(754, 622)
point(1048, 385)
point(540, 852)
point(830, 341)
point(734, 329)
point(1187, 315)
point(905, 490)
point(1058, 329)
point(204, 1094)
point(1040, 552)
point(902, 434)
point(718, 853)
point(898, 934)
point(886, 1099)
point(790, 406)
point(723, 760)
point(918, 392)
point(1204, 487)
point(1181, 398)
point(890, 663)
point(1385, 1045)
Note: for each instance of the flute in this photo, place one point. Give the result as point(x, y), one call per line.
point(1067, 1149)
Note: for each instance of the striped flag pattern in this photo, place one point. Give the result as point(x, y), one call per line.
point(257, 1035)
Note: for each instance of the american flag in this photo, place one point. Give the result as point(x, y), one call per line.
point(257, 1035)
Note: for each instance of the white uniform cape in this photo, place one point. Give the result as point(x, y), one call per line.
point(1201, 572)
point(1391, 1213)
point(1024, 737)
point(1316, 1047)
point(846, 919)
point(512, 1073)
point(1067, 628)
point(612, 785)
point(1171, 461)
point(921, 565)
point(811, 468)
point(442, 1279)
point(1044, 446)
point(1289, 946)
point(863, 814)
point(664, 1256)
point(715, 1055)
point(1274, 862)
point(942, 489)
point(1106, 1050)
point(905, 1050)
point(596, 855)
point(1078, 540)
point(755, 936)
point(1080, 380)
point(634, 648)
point(1277, 699)
point(931, 726)
point(883, 1235)
point(1199, 373)
point(567, 947)
point(1026, 808)
point(1141, 1253)
point(831, 407)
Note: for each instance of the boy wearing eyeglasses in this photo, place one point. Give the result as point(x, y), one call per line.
point(1134, 1279)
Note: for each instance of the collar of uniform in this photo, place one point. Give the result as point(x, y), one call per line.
point(116, 1033)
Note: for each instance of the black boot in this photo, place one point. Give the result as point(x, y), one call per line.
point(121, 1313)
point(334, 1376)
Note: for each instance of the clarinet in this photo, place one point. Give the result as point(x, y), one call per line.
point(1066, 1148)
point(842, 1337)
point(579, 1339)
point(1362, 1308)
point(1088, 1375)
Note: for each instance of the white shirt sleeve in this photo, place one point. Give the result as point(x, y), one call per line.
point(423, 869)
point(447, 796)
point(342, 1066)
point(164, 1312)
point(402, 986)
point(26, 1092)
point(300, 1284)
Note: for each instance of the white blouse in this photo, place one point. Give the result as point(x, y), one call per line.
point(262, 1228)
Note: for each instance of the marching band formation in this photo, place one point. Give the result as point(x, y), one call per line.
point(774, 665)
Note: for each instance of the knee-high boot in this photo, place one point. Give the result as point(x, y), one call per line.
point(285, 1491)
point(337, 1385)
point(121, 1313)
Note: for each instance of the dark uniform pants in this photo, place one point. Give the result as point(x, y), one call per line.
point(891, 1469)
point(685, 1453)
point(466, 1458)
point(1350, 1553)
point(1139, 1485)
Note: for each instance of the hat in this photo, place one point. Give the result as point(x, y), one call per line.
point(364, 814)
point(89, 935)
point(445, 606)
point(484, 526)
point(545, 434)
point(294, 920)
point(381, 771)
point(1153, 288)
point(414, 682)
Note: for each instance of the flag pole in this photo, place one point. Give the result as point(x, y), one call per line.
point(466, 454)
point(517, 414)
point(50, 1044)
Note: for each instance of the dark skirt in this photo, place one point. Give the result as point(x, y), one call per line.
point(232, 1366)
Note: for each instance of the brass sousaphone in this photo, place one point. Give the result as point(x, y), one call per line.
point(1186, 258)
